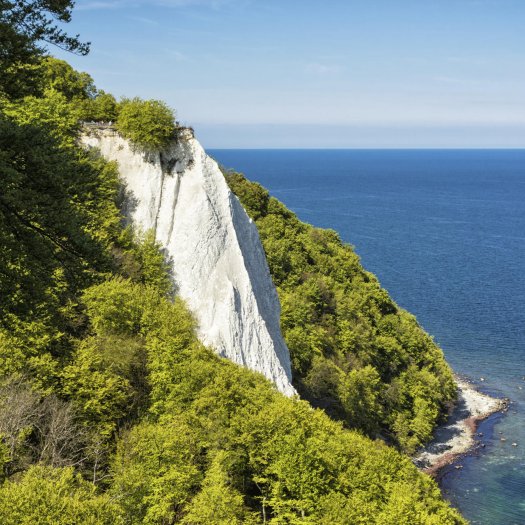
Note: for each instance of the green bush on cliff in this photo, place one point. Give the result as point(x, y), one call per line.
point(149, 124)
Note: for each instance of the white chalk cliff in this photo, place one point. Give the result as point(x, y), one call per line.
point(218, 262)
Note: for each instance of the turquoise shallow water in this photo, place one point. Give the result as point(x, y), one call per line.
point(444, 230)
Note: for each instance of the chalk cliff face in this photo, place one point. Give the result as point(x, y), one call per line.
point(218, 262)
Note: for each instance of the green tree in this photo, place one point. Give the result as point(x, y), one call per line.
point(155, 471)
point(101, 394)
point(148, 124)
point(26, 27)
point(46, 495)
point(155, 271)
point(59, 76)
point(218, 503)
point(116, 306)
point(52, 113)
point(101, 108)
point(361, 398)
point(50, 206)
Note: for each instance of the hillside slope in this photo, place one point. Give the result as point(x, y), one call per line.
point(354, 352)
point(112, 410)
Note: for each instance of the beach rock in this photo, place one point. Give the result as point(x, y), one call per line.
point(457, 436)
point(218, 263)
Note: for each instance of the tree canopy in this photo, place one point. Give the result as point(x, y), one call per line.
point(26, 27)
point(149, 124)
point(354, 352)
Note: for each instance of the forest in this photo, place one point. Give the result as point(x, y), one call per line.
point(112, 411)
point(354, 352)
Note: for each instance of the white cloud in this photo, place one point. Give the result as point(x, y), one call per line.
point(119, 4)
point(322, 69)
point(94, 5)
point(143, 20)
point(178, 56)
point(448, 80)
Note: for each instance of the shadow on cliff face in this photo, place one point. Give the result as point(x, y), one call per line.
point(127, 203)
point(259, 274)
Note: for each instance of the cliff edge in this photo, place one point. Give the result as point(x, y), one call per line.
point(218, 263)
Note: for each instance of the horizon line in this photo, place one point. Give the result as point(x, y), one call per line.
point(376, 148)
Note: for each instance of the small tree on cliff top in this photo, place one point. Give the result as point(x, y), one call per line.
point(146, 123)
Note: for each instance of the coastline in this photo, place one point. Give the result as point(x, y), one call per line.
point(457, 436)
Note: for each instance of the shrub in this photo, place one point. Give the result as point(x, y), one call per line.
point(102, 108)
point(149, 124)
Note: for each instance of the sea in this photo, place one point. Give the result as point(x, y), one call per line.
point(444, 230)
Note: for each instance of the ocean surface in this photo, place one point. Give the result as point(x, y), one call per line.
point(444, 230)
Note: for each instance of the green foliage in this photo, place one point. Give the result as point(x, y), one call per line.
point(361, 398)
point(101, 108)
point(149, 124)
point(53, 112)
point(154, 472)
point(23, 27)
point(232, 444)
point(220, 437)
point(45, 495)
point(58, 75)
point(218, 503)
point(47, 221)
point(101, 394)
point(354, 351)
point(115, 307)
point(64, 98)
point(154, 269)
point(101, 368)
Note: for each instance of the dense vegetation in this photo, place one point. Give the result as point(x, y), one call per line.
point(354, 351)
point(149, 124)
point(111, 411)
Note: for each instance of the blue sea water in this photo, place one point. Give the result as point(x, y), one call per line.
point(444, 230)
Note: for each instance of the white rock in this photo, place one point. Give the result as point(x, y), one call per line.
point(218, 262)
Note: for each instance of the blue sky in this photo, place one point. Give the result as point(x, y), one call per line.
point(312, 73)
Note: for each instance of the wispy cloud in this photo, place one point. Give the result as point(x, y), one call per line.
point(322, 69)
point(178, 56)
point(143, 20)
point(89, 5)
point(463, 60)
point(120, 4)
point(449, 80)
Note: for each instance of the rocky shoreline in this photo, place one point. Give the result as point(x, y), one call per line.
point(458, 435)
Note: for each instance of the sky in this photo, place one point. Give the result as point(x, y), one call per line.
point(318, 73)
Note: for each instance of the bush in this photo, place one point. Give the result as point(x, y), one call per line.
point(149, 124)
point(102, 108)
point(54, 495)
